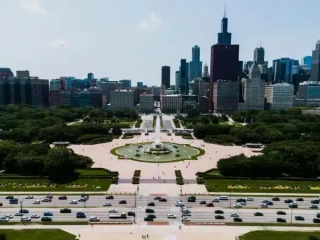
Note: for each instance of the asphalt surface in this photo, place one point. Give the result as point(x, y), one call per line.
point(142, 201)
point(167, 124)
point(147, 124)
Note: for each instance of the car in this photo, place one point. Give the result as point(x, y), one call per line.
point(36, 202)
point(275, 199)
point(9, 197)
point(315, 201)
point(202, 202)
point(83, 199)
point(210, 204)
point(46, 219)
point(157, 198)
point(185, 219)
point(109, 197)
point(4, 219)
point(25, 219)
point(1, 204)
point(264, 206)
point(241, 200)
point(13, 201)
point(299, 218)
point(163, 200)
point(107, 205)
point(151, 204)
point(47, 214)
point(234, 215)
point(49, 196)
point(24, 210)
point(215, 200)
point(179, 204)
point(131, 213)
point(186, 214)
point(73, 202)
point(237, 205)
point(123, 202)
point(264, 200)
point(258, 214)
point(293, 205)
point(299, 200)
point(219, 217)
point(152, 216)
point(171, 216)
point(318, 215)
point(29, 197)
point(281, 220)
point(316, 220)
point(224, 198)
point(218, 212)
point(113, 211)
point(84, 195)
point(288, 201)
point(249, 199)
point(312, 206)
point(18, 214)
point(94, 219)
point(9, 216)
point(65, 210)
point(147, 219)
point(149, 210)
point(281, 213)
point(62, 198)
point(46, 200)
point(243, 203)
point(269, 203)
point(81, 215)
point(35, 216)
point(237, 219)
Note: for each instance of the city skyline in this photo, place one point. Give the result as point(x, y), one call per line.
point(58, 40)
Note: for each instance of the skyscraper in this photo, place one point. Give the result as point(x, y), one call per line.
point(183, 77)
point(315, 68)
point(224, 37)
point(165, 76)
point(177, 87)
point(282, 70)
point(258, 55)
point(205, 71)
point(195, 66)
point(307, 60)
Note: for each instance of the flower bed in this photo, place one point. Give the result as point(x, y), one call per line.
point(238, 187)
point(314, 188)
point(279, 187)
point(76, 186)
point(28, 185)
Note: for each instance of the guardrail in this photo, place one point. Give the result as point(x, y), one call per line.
point(203, 223)
point(110, 223)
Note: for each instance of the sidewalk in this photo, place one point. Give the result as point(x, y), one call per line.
point(52, 192)
point(264, 194)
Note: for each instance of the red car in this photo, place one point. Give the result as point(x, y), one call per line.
point(210, 204)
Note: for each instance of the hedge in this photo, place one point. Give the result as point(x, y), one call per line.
point(135, 180)
point(178, 173)
point(179, 181)
point(137, 173)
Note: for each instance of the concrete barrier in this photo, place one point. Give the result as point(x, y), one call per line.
point(110, 223)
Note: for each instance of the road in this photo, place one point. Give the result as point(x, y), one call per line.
point(142, 201)
point(167, 123)
point(147, 122)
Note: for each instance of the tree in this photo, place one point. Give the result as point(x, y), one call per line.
point(116, 130)
point(193, 112)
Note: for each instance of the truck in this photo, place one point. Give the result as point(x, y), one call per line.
point(117, 216)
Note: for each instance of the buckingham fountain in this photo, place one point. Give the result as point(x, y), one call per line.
point(157, 151)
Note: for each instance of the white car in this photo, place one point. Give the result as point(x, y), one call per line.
point(172, 216)
point(29, 197)
point(36, 202)
point(234, 215)
point(4, 219)
point(243, 203)
point(113, 211)
point(96, 219)
point(35, 216)
point(9, 216)
point(18, 214)
point(27, 219)
point(46, 200)
point(237, 206)
point(249, 199)
point(107, 204)
point(73, 202)
point(185, 219)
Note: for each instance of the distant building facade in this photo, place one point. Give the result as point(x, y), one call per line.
point(279, 96)
point(165, 76)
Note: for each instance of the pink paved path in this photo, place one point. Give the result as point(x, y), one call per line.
point(100, 154)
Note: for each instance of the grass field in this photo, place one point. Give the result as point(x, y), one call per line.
point(97, 172)
point(278, 235)
point(261, 186)
point(35, 234)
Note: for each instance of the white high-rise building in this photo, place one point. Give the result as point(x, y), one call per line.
point(279, 96)
point(171, 103)
point(177, 87)
point(254, 89)
point(122, 99)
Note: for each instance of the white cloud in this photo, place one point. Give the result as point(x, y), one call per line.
point(150, 23)
point(32, 6)
point(58, 44)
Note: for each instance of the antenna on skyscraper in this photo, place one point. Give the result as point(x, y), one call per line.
point(225, 11)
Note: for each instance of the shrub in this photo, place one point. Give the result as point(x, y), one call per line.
point(135, 180)
point(137, 173)
point(178, 173)
point(179, 181)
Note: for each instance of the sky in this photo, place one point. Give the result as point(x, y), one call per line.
point(132, 39)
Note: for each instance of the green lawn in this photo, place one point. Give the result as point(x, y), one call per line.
point(214, 172)
point(262, 186)
point(277, 235)
point(35, 234)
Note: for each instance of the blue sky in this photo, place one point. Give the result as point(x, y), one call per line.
point(132, 39)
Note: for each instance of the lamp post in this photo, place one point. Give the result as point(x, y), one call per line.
point(230, 200)
point(135, 199)
point(21, 209)
point(291, 216)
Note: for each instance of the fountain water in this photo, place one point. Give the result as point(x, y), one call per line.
point(157, 141)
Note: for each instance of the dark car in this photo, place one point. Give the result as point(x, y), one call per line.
point(315, 201)
point(281, 213)
point(62, 198)
point(218, 212)
point(49, 196)
point(258, 214)
point(318, 215)
point(81, 215)
point(152, 216)
point(219, 217)
point(299, 200)
point(316, 220)
point(163, 200)
point(269, 203)
point(149, 210)
point(151, 204)
point(46, 219)
point(293, 206)
point(237, 219)
point(288, 201)
point(281, 220)
point(65, 210)
point(157, 198)
point(209, 205)
point(109, 197)
point(83, 199)
point(131, 214)
point(203, 202)
point(1, 204)
point(85, 196)
point(299, 218)
point(241, 200)
point(23, 211)
point(147, 219)
point(275, 199)
point(9, 197)
point(123, 202)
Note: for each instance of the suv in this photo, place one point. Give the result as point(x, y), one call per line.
point(149, 210)
point(81, 215)
point(151, 204)
point(236, 219)
point(109, 197)
point(218, 212)
point(281, 213)
point(46, 219)
point(65, 210)
point(281, 220)
point(62, 198)
point(192, 199)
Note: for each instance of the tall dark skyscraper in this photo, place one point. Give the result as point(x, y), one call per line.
point(224, 37)
point(258, 56)
point(315, 67)
point(165, 76)
point(183, 71)
point(195, 65)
